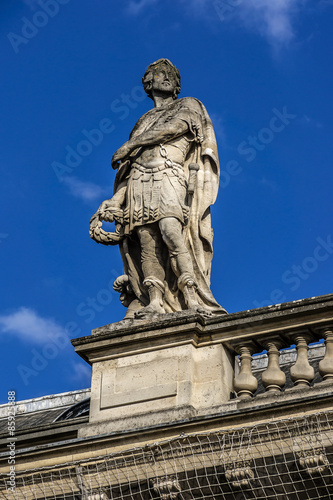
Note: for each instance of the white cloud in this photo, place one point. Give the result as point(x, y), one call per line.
point(135, 7)
point(81, 373)
point(87, 191)
point(272, 18)
point(275, 20)
point(26, 324)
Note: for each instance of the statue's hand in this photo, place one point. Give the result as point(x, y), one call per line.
point(109, 212)
point(113, 214)
point(121, 154)
point(121, 283)
point(104, 206)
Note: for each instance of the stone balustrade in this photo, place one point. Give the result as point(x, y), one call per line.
point(273, 378)
point(186, 365)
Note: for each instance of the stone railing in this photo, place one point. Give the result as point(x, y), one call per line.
point(273, 378)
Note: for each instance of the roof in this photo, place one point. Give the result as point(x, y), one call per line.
point(47, 413)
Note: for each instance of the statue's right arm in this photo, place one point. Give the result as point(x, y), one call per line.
point(157, 135)
point(113, 205)
point(160, 134)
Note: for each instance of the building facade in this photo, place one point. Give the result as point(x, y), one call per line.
point(235, 406)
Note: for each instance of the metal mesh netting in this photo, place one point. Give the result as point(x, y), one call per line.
point(289, 459)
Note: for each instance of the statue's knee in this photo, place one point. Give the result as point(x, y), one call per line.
point(172, 234)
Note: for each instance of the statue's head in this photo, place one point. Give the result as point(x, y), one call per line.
point(162, 75)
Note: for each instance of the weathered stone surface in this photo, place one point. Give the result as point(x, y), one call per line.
point(167, 179)
point(169, 378)
point(181, 366)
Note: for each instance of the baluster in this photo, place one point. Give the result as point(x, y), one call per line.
point(239, 475)
point(326, 364)
point(273, 378)
point(167, 488)
point(302, 373)
point(245, 383)
point(313, 462)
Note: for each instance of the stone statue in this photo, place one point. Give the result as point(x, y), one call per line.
point(167, 179)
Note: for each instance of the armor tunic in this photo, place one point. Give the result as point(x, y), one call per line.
point(158, 188)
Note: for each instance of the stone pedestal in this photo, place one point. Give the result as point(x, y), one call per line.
point(151, 373)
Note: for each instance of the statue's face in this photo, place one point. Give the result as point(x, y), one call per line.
point(163, 79)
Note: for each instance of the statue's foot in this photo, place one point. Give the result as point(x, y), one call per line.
point(203, 311)
point(149, 311)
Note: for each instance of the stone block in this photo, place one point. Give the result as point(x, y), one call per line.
point(163, 375)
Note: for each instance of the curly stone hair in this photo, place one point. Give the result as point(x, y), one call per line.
point(149, 75)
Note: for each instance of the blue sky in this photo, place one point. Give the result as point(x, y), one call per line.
point(263, 70)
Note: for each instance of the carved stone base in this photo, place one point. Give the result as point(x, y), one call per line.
point(167, 369)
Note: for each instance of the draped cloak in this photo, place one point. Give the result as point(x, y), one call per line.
point(197, 231)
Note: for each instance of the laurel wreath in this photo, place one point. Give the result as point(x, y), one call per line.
point(105, 237)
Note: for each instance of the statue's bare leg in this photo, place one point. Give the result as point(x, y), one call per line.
point(172, 234)
point(152, 268)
